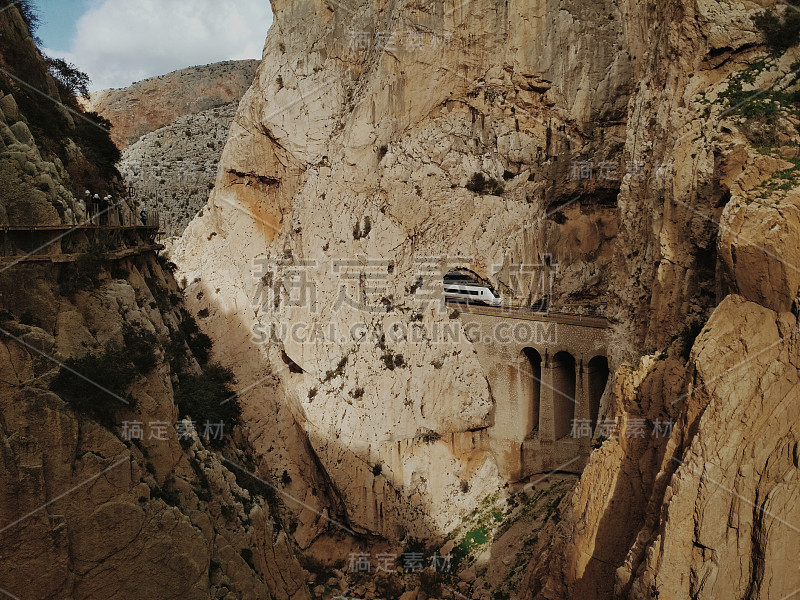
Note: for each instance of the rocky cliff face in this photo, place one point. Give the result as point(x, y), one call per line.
point(171, 130)
point(106, 490)
point(707, 512)
point(172, 170)
point(610, 139)
point(389, 158)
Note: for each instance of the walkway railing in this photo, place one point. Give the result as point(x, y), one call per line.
point(121, 232)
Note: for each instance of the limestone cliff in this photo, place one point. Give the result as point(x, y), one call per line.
point(107, 492)
point(171, 170)
point(351, 161)
point(616, 140)
point(710, 511)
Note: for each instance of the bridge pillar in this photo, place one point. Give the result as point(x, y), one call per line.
point(582, 408)
point(547, 415)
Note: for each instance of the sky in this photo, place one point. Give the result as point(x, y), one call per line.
point(117, 42)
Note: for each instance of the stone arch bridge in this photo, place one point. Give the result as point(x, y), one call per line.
point(547, 374)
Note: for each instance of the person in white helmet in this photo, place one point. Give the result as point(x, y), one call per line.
point(87, 201)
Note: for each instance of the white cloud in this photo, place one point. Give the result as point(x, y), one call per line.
point(121, 41)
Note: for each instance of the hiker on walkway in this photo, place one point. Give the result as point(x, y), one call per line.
point(98, 211)
point(113, 215)
point(87, 201)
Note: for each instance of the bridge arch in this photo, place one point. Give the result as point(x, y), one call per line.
point(534, 363)
point(598, 378)
point(563, 366)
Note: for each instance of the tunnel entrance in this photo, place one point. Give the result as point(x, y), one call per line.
point(563, 365)
point(598, 378)
point(532, 414)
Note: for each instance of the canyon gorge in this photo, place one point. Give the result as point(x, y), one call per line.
point(624, 175)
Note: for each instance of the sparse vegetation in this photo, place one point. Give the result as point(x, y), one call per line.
point(84, 273)
point(208, 398)
point(100, 397)
point(781, 31)
point(759, 112)
point(687, 336)
point(338, 371)
point(783, 181)
point(430, 436)
point(481, 184)
point(391, 360)
point(199, 343)
point(141, 347)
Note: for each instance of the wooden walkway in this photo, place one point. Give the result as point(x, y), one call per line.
point(68, 258)
point(57, 243)
point(86, 226)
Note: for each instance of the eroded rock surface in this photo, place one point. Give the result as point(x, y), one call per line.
point(606, 144)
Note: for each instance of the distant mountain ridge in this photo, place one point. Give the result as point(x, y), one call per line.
point(153, 103)
point(171, 130)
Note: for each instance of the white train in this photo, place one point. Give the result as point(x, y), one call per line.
point(470, 291)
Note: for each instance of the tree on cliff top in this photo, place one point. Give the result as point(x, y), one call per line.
point(781, 31)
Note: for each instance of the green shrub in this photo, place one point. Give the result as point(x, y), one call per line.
point(480, 184)
point(28, 11)
point(71, 80)
point(96, 384)
point(84, 273)
point(199, 343)
point(140, 347)
point(781, 32)
point(208, 398)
